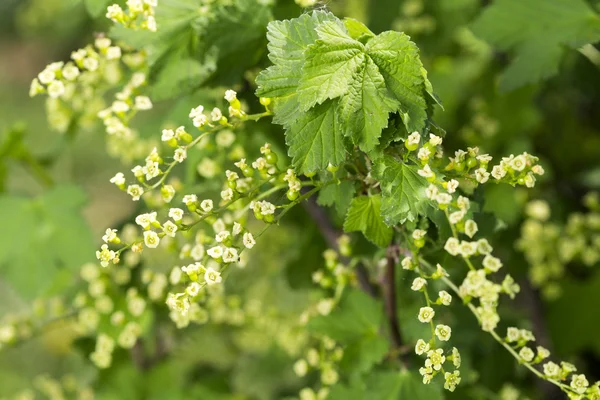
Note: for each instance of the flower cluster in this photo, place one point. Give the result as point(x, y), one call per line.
point(67, 386)
point(139, 14)
point(550, 246)
point(324, 357)
point(577, 386)
point(434, 351)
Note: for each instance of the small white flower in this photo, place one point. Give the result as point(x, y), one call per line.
point(552, 370)
point(431, 192)
point(215, 252)
point(471, 228)
point(492, 263)
point(443, 198)
point(119, 106)
point(445, 298)
point(421, 347)
point(230, 95)
point(414, 138)
point(419, 234)
point(452, 185)
point(111, 234)
point(151, 169)
point(146, 220)
point(151, 24)
point(325, 306)
point(483, 246)
point(463, 203)
point(248, 240)
point(227, 194)
point(498, 172)
point(118, 179)
point(418, 284)
point(142, 103)
point(435, 140)
point(70, 72)
point(513, 334)
point(176, 214)
point(424, 154)
point(456, 217)
point(426, 314)
point(237, 228)
point(443, 332)
point(452, 246)
point(529, 180)
point(104, 255)
point(481, 175)
point(230, 255)
point(189, 199)
point(206, 205)
point(169, 228)
point(467, 249)
point(200, 121)
point(135, 191)
point(216, 115)
point(180, 155)
point(56, 89)
point(426, 171)
point(538, 170)
point(407, 263)
point(151, 239)
point(167, 134)
point(212, 277)
point(526, 354)
point(222, 236)
point(518, 163)
point(195, 112)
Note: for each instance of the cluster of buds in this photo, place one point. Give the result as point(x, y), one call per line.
point(139, 14)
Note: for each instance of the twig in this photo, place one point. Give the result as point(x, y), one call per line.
point(388, 286)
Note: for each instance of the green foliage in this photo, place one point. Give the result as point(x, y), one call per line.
point(339, 196)
point(96, 7)
point(194, 41)
point(348, 81)
point(402, 191)
point(47, 236)
point(537, 31)
point(364, 215)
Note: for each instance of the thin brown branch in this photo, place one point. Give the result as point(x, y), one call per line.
point(388, 286)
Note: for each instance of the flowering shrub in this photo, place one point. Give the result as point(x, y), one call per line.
point(385, 316)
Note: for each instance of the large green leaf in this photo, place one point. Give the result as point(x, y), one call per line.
point(318, 62)
point(357, 316)
point(339, 196)
point(317, 140)
point(402, 191)
point(537, 31)
point(364, 215)
point(41, 237)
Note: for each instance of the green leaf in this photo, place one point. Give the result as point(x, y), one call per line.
point(180, 76)
point(365, 215)
point(537, 31)
point(320, 61)
point(96, 7)
point(339, 196)
point(316, 140)
point(387, 385)
point(46, 235)
point(402, 191)
point(330, 66)
point(365, 109)
point(357, 316)
point(398, 61)
point(287, 42)
point(362, 355)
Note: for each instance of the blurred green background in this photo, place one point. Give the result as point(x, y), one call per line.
point(56, 200)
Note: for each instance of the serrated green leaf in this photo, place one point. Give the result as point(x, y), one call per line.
point(339, 196)
point(357, 30)
point(315, 140)
point(330, 65)
point(288, 40)
point(364, 215)
point(357, 316)
point(362, 355)
point(402, 191)
point(537, 30)
point(398, 61)
point(316, 61)
point(365, 109)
